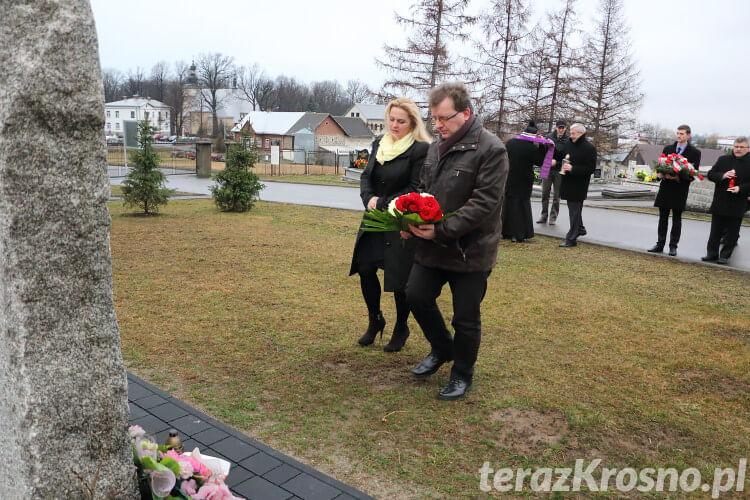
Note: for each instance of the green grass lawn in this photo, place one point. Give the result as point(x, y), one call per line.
point(329, 180)
point(593, 352)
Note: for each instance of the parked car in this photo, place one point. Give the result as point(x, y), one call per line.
point(217, 157)
point(114, 141)
point(190, 154)
point(178, 154)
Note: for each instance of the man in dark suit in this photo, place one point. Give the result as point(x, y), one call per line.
point(576, 175)
point(731, 173)
point(673, 192)
point(560, 138)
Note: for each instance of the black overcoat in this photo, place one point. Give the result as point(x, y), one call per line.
point(399, 176)
point(673, 193)
point(575, 184)
point(522, 156)
point(724, 202)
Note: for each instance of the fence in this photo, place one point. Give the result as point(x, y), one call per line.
point(175, 158)
point(181, 159)
point(301, 162)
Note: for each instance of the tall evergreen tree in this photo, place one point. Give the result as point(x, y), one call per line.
point(608, 87)
point(498, 60)
point(561, 26)
point(144, 187)
point(425, 60)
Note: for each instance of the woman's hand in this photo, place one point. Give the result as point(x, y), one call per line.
point(735, 189)
point(405, 235)
point(729, 174)
point(425, 231)
point(373, 202)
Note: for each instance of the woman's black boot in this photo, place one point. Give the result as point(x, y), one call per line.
point(400, 334)
point(377, 324)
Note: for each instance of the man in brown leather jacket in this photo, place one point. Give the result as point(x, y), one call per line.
point(465, 170)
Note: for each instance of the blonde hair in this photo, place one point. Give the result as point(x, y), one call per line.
point(417, 124)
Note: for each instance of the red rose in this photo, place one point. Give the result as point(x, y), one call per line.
point(430, 211)
point(412, 203)
point(401, 202)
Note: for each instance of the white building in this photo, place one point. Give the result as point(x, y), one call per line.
point(138, 109)
point(372, 114)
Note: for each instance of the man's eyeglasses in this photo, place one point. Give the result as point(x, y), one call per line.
point(741, 147)
point(438, 119)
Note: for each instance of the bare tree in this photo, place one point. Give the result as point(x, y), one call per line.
point(608, 88)
point(329, 97)
point(113, 81)
point(357, 92)
point(254, 85)
point(134, 83)
point(561, 27)
point(424, 61)
point(215, 72)
point(175, 96)
point(291, 95)
point(158, 81)
point(654, 133)
point(536, 82)
point(499, 53)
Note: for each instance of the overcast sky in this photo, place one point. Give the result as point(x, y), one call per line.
point(693, 55)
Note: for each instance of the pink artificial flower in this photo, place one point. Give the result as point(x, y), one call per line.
point(189, 487)
point(211, 491)
point(198, 468)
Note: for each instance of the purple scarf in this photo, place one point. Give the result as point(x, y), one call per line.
point(547, 163)
point(445, 144)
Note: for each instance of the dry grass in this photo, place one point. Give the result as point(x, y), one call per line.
point(590, 353)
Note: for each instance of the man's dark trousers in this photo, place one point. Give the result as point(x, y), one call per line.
point(727, 226)
point(576, 220)
point(553, 180)
point(674, 236)
point(468, 289)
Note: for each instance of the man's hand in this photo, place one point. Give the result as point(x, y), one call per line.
point(735, 189)
point(554, 162)
point(425, 231)
point(567, 167)
point(659, 175)
point(372, 203)
point(405, 235)
point(729, 174)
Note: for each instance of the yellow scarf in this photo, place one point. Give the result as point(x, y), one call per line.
point(389, 149)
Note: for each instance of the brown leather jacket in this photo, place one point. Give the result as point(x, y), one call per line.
point(470, 180)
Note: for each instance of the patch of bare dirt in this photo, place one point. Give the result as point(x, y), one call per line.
point(529, 430)
point(734, 333)
point(710, 381)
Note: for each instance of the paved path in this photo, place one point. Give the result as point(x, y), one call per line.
point(605, 226)
point(257, 471)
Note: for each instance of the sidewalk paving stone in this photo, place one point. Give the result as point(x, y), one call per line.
point(257, 471)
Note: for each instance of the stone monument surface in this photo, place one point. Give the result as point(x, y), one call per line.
point(62, 379)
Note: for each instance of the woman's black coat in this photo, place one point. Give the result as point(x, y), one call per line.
point(575, 183)
point(726, 203)
point(522, 156)
point(399, 176)
point(673, 193)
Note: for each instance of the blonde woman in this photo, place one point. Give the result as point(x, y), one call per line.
point(393, 169)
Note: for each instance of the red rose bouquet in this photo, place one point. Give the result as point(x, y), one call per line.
point(413, 208)
point(676, 165)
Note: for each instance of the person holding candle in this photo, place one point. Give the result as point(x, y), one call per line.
point(731, 174)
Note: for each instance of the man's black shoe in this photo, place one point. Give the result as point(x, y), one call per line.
point(673, 251)
point(568, 244)
point(709, 258)
point(428, 366)
point(582, 232)
point(456, 389)
point(656, 248)
point(723, 261)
